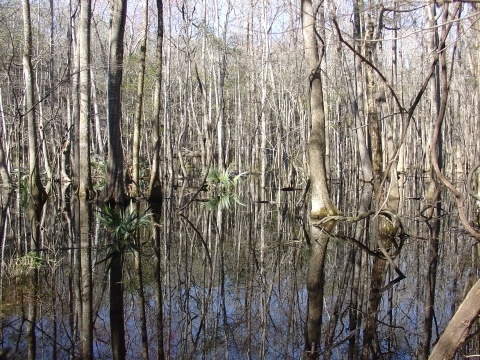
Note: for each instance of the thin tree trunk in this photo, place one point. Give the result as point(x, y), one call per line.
point(158, 293)
point(141, 300)
point(86, 285)
point(155, 185)
point(137, 124)
point(4, 150)
point(43, 141)
point(98, 128)
point(432, 215)
point(85, 190)
point(72, 137)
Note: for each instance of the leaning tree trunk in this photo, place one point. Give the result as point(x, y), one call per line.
point(322, 205)
point(457, 330)
point(115, 185)
point(35, 184)
point(155, 185)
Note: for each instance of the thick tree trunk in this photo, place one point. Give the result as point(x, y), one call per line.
point(115, 184)
point(322, 205)
point(35, 184)
point(117, 322)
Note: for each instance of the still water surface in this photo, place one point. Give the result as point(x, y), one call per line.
point(233, 280)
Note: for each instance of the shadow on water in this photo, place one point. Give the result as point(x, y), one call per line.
point(201, 283)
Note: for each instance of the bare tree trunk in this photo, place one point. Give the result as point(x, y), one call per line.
point(98, 128)
point(85, 190)
point(457, 330)
point(155, 185)
point(322, 205)
point(35, 184)
point(362, 228)
point(385, 228)
point(74, 126)
point(43, 142)
point(4, 173)
point(432, 215)
point(115, 185)
point(137, 124)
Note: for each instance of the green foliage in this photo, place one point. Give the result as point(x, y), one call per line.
point(31, 261)
point(99, 172)
point(224, 186)
point(24, 190)
point(22, 266)
point(123, 225)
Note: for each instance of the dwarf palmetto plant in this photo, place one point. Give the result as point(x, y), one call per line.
point(224, 188)
point(123, 225)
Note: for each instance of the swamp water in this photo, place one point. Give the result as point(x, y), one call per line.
point(232, 280)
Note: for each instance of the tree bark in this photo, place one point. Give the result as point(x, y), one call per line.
point(115, 184)
point(4, 174)
point(457, 330)
point(35, 184)
point(155, 185)
point(85, 190)
point(322, 205)
point(433, 214)
point(137, 125)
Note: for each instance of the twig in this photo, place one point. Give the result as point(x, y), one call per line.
point(349, 219)
point(469, 183)
point(199, 188)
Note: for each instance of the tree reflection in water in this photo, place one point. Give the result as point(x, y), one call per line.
point(219, 298)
